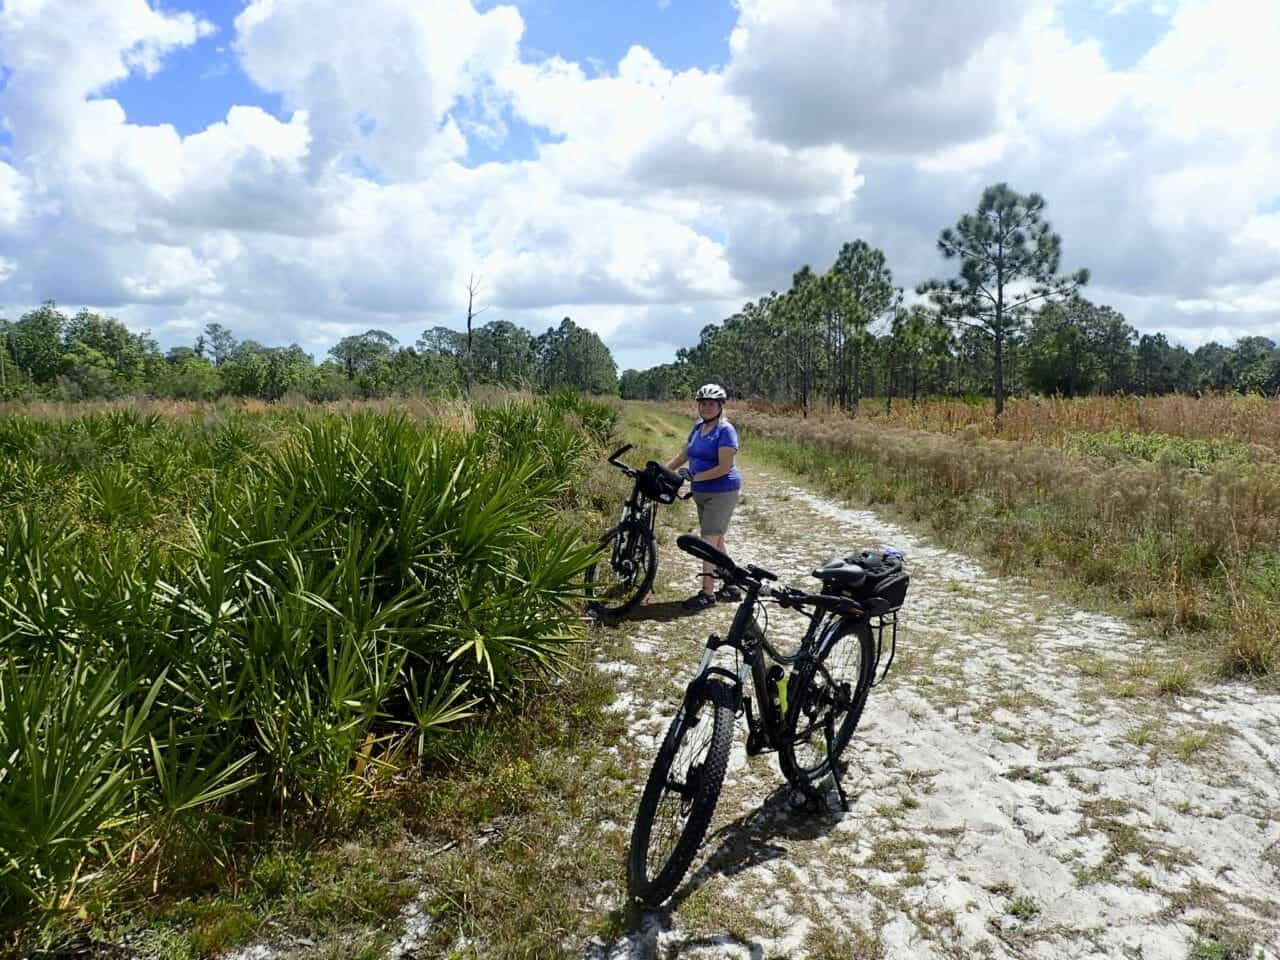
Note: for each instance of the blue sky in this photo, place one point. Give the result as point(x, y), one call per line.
point(1124, 35)
point(329, 170)
point(199, 83)
point(682, 34)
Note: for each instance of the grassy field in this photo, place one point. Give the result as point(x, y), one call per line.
point(297, 674)
point(1167, 507)
point(1250, 419)
point(263, 670)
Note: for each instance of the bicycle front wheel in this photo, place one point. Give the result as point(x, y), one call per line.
point(680, 797)
point(827, 692)
point(623, 576)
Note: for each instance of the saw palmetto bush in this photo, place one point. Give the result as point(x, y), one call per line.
point(252, 615)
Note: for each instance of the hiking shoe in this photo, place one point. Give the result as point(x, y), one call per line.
point(700, 601)
point(729, 594)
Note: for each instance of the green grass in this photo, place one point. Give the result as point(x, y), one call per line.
point(472, 840)
point(224, 639)
point(1232, 948)
point(1161, 448)
point(1023, 908)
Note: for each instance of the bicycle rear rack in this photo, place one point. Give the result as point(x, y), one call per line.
point(884, 626)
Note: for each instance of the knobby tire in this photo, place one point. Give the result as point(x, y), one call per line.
point(611, 597)
point(680, 796)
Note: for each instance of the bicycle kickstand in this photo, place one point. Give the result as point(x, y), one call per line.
point(833, 765)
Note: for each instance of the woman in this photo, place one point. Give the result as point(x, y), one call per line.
point(710, 453)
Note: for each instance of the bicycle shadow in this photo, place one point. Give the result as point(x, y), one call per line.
point(643, 941)
point(661, 612)
point(752, 839)
point(748, 841)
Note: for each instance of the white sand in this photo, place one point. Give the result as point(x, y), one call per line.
point(1018, 787)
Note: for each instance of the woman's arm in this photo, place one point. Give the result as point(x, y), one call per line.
point(680, 459)
point(722, 468)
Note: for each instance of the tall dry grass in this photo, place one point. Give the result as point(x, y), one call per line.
point(1198, 550)
point(1248, 419)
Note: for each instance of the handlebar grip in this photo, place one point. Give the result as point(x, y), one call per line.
point(619, 452)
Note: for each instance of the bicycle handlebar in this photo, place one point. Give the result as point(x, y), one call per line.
point(632, 472)
point(754, 577)
point(613, 460)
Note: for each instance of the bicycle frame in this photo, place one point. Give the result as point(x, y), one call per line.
point(637, 509)
point(624, 570)
point(809, 725)
point(765, 724)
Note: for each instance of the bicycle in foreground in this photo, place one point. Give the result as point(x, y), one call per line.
point(617, 582)
point(806, 704)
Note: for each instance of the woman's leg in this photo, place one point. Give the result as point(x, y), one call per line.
point(714, 511)
point(708, 581)
point(717, 517)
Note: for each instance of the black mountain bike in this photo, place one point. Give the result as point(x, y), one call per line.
point(807, 714)
point(617, 582)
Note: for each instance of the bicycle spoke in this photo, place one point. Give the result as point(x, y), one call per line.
point(681, 787)
point(829, 695)
point(624, 573)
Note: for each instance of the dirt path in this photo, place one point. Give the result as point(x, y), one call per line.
point(1031, 781)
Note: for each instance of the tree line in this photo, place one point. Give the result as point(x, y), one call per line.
point(1008, 322)
point(48, 353)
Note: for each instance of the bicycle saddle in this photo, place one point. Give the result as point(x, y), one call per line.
point(841, 573)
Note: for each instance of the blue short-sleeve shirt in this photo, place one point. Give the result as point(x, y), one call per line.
point(704, 454)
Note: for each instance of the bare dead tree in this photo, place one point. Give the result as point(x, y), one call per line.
point(473, 290)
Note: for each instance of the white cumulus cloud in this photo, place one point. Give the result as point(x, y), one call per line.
point(653, 200)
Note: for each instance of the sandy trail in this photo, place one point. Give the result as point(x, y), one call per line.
point(1019, 787)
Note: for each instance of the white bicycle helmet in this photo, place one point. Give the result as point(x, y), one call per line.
point(711, 391)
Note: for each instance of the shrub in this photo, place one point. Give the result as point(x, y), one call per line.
point(335, 594)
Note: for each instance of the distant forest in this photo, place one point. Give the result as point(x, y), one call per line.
point(1007, 323)
point(49, 354)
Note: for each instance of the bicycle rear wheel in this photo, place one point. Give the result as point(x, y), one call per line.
point(827, 691)
point(623, 576)
point(680, 796)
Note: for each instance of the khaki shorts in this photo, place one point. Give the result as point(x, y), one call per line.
point(714, 511)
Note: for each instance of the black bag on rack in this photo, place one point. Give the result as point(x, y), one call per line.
point(877, 581)
point(886, 578)
point(875, 578)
